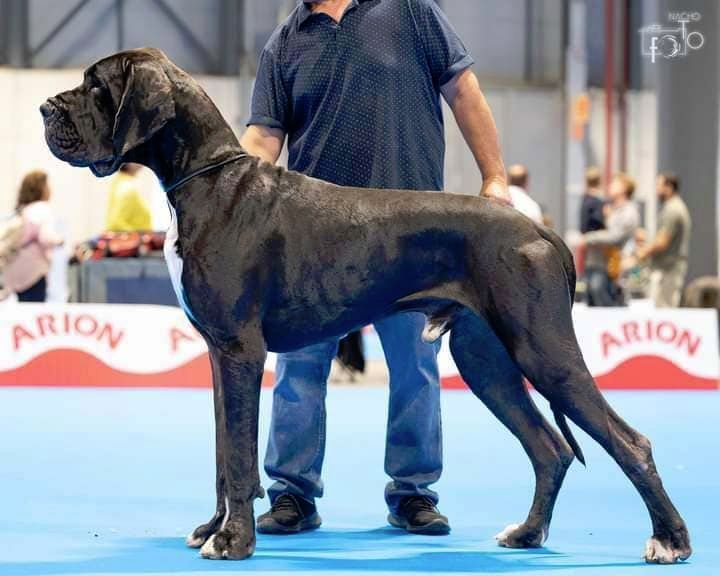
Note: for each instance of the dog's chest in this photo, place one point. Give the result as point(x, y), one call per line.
point(175, 262)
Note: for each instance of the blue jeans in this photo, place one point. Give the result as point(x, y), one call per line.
point(601, 290)
point(413, 452)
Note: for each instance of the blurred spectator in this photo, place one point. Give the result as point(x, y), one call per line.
point(668, 252)
point(127, 210)
point(604, 247)
point(26, 273)
point(517, 187)
point(591, 213)
point(591, 210)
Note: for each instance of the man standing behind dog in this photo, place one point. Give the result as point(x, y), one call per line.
point(668, 252)
point(355, 86)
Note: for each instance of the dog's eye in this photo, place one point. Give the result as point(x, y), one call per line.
point(96, 92)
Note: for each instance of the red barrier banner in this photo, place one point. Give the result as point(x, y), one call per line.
point(102, 345)
point(155, 346)
point(640, 348)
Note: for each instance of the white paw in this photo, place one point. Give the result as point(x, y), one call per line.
point(208, 550)
point(502, 537)
point(657, 553)
point(194, 542)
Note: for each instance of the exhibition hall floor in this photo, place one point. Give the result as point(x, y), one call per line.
point(109, 481)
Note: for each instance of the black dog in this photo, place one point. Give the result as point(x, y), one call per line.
point(266, 259)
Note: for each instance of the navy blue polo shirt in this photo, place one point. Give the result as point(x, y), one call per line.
point(359, 99)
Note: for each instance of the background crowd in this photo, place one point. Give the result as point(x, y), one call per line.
point(617, 259)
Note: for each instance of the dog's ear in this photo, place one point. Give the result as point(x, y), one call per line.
point(146, 105)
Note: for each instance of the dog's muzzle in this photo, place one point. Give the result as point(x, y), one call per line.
point(61, 134)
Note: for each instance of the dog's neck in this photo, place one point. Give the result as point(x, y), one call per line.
point(187, 145)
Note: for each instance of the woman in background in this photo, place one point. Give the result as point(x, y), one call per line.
point(26, 274)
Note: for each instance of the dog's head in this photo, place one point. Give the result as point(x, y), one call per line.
point(123, 102)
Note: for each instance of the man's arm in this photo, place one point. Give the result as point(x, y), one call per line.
point(263, 142)
point(612, 236)
point(657, 246)
point(476, 123)
point(619, 230)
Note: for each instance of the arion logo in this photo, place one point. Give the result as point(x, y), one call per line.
point(664, 333)
point(66, 325)
point(673, 40)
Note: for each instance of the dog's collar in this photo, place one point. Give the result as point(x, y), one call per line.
point(203, 170)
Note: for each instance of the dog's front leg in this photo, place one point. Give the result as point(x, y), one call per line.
point(239, 370)
point(203, 532)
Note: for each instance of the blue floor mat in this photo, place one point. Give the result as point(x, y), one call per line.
point(109, 482)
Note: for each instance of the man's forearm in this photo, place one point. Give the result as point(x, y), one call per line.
point(611, 237)
point(657, 246)
point(265, 143)
point(476, 123)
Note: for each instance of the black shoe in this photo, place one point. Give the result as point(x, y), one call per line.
point(418, 515)
point(289, 515)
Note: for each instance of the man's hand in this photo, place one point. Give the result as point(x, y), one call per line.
point(657, 246)
point(496, 188)
point(643, 252)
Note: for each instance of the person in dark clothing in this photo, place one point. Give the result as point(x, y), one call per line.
point(354, 86)
point(591, 210)
point(592, 219)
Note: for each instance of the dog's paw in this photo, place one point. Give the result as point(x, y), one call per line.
point(202, 533)
point(663, 551)
point(234, 542)
point(520, 536)
point(193, 541)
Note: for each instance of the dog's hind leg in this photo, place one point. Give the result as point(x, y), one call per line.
point(494, 378)
point(201, 534)
point(532, 316)
point(239, 368)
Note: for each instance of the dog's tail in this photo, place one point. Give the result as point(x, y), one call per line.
point(567, 433)
point(568, 264)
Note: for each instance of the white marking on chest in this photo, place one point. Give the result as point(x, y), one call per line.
point(175, 263)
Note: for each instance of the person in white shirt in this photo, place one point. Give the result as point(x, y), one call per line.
point(521, 200)
point(26, 274)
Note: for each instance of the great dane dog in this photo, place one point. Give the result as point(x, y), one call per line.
point(267, 259)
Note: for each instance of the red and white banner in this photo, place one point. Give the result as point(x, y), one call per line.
point(102, 345)
point(639, 348)
point(155, 346)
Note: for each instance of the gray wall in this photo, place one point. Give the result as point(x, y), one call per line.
point(201, 36)
point(688, 119)
point(513, 41)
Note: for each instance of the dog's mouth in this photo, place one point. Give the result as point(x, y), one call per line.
point(65, 142)
point(104, 167)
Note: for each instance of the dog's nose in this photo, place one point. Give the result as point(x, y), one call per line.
point(45, 109)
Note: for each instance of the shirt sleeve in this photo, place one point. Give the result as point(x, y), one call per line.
point(269, 105)
point(44, 222)
point(620, 229)
point(445, 53)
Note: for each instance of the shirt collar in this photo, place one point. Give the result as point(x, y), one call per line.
point(304, 11)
